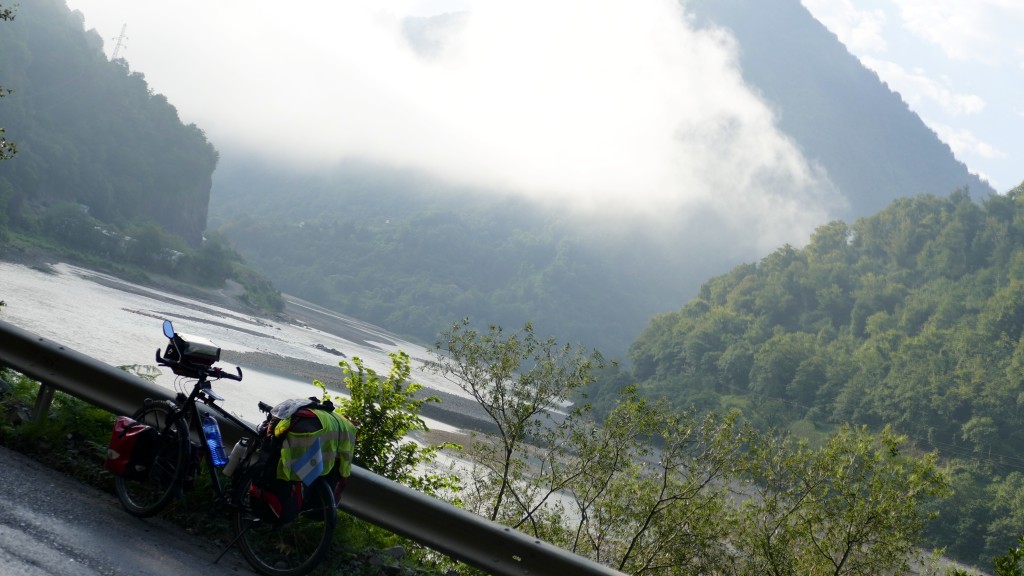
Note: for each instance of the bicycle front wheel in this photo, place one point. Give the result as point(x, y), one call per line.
point(290, 549)
point(151, 494)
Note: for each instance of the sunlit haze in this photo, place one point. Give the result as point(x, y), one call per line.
point(613, 106)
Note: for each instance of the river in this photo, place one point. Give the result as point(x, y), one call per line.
point(120, 323)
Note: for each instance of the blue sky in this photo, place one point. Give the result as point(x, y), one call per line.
point(607, 107)
point(958, 63)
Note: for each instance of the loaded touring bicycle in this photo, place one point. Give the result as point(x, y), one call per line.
point(279, 482)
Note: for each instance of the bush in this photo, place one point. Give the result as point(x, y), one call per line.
point(71, 437)
point(386, 411)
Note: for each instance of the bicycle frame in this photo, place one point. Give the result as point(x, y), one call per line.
point(187, 411)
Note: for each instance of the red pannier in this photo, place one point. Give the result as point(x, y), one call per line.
point(132, 449)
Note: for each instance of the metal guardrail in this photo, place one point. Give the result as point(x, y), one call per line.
point(56, 366)
point(469, 538)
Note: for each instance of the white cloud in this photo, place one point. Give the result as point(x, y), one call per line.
point(859, 30)
point(915, 86)
point(617, 107)
point(965, 144)
point(985, 31)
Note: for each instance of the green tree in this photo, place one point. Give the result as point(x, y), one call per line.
point(519, 381)
point(856, 505)
point(1006, 495)
point(777, 362)
point(655, 490)
point(386, 411)
point(212, 264)
point(72, 225)
point(910, 318)
point(654, 495)
point(7, 148)
point(1009, 564)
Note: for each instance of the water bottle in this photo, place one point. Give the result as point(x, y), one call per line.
point(213, 440)
point(237, 453)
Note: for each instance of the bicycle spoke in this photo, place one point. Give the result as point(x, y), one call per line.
point(293, 548)
point(151, 494)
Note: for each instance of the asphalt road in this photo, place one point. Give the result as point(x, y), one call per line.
point(52, 525)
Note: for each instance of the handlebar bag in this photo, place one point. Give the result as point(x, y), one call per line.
point(132, 449)
point(187, 352)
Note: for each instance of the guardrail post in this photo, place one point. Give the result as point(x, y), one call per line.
point(43, 400)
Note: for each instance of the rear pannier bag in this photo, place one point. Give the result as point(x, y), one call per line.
point(316, 442)
point(271, 499)
point(276, 501)
point(303, 442)
point(132, 449)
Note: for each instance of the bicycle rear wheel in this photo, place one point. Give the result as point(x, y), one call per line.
point(150, 495)
point(291, 549)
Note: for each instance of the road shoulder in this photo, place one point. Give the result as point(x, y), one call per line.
point(53, 525)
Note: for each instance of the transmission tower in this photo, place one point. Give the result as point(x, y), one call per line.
point(120, 41)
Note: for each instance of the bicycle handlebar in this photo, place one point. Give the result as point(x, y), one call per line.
point(207, 371)
point(219, 373)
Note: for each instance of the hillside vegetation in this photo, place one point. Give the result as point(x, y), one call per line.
point(102, 158)
point(397, 251)
point(90, 131)
point(100, 170)
point(913, 318)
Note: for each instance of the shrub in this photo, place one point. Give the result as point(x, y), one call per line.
point(386, 411)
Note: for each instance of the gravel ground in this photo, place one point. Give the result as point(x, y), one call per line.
point(53, 525)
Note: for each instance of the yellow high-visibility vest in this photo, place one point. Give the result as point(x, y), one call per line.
point(337, 440)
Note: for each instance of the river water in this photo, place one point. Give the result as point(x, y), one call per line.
point(120, 323)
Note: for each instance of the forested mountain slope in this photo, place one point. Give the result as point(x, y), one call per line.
point(913, 317)
point(403, 251)
point(90, 131)
point(105, 173)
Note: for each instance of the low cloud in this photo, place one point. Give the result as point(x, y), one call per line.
point(615, 108)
